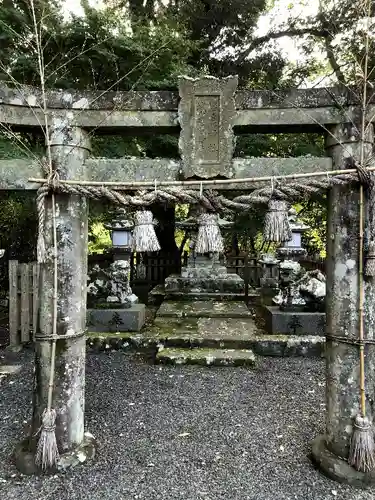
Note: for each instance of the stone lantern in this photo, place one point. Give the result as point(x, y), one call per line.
point(114, 305)
point(121, 228)
point(269, 263)
point(292, 249)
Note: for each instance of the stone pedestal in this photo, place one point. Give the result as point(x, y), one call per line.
point(103, 320)
point(294, 322)
point(204, 275)
point(229, 283)
point(342, 369)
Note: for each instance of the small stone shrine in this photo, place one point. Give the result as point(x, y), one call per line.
point(205, 275)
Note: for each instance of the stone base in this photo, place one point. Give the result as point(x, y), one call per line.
point(158, 294)
point(203, 309)
point(229, 283)
point(207, 357)
point(25, 459)
point(336, 468)
point(203, 272)
point(191, 336)
point(294, 322)
point(116, 320)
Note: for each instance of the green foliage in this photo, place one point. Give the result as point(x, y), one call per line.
point(280, 145)
point(314, 214)
point(99, 238)
point(136, 44)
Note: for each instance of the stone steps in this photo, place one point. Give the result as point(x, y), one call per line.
point(203, 309)
point(9, 369)
point(206, 357)
point(158, 295)
point(260, 343)
point(189, 331)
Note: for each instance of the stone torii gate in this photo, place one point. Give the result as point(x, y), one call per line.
point(207, 113)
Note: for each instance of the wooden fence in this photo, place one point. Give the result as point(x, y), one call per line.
point(247, 267)
point(23, 301)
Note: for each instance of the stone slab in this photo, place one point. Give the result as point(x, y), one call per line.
point(206, 113)
point(10, 369)
point(204, 308)
point(118, 110)
point(293, 322)
point(207, 357)
point(112, 320)
point(163, 100)
point(262, 345)
point(14, 173)
point(158, 294)
point(230, 283)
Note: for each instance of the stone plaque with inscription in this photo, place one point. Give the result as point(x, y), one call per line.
point(206, 112)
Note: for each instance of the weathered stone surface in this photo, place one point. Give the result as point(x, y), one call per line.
point(14, 173)
point(276, 110)
point(25, 95)
point(203, 271)
point(204, 309)
point(342, 369)
point(229, 283)
point(26, 116)
point(69, 148)
point(206, 112)
point(336, 468)
point(289, 345)
point(158, 294)
point(297, 98)
point(186, 336)
point(133, 169)
point(10, 369)
point(130, 319)
point(207, 357)
point(294, 322)
point(25, 459)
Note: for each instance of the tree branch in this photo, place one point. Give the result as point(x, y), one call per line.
point(293, 32)
point(332, 60)
point(290, 32)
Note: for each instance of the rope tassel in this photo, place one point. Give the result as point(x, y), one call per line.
point(47, 453)
point(276, 222)
point(209, 237)
point(144, 236)
point(362, 446)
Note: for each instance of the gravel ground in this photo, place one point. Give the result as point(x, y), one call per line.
point(184, 433)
